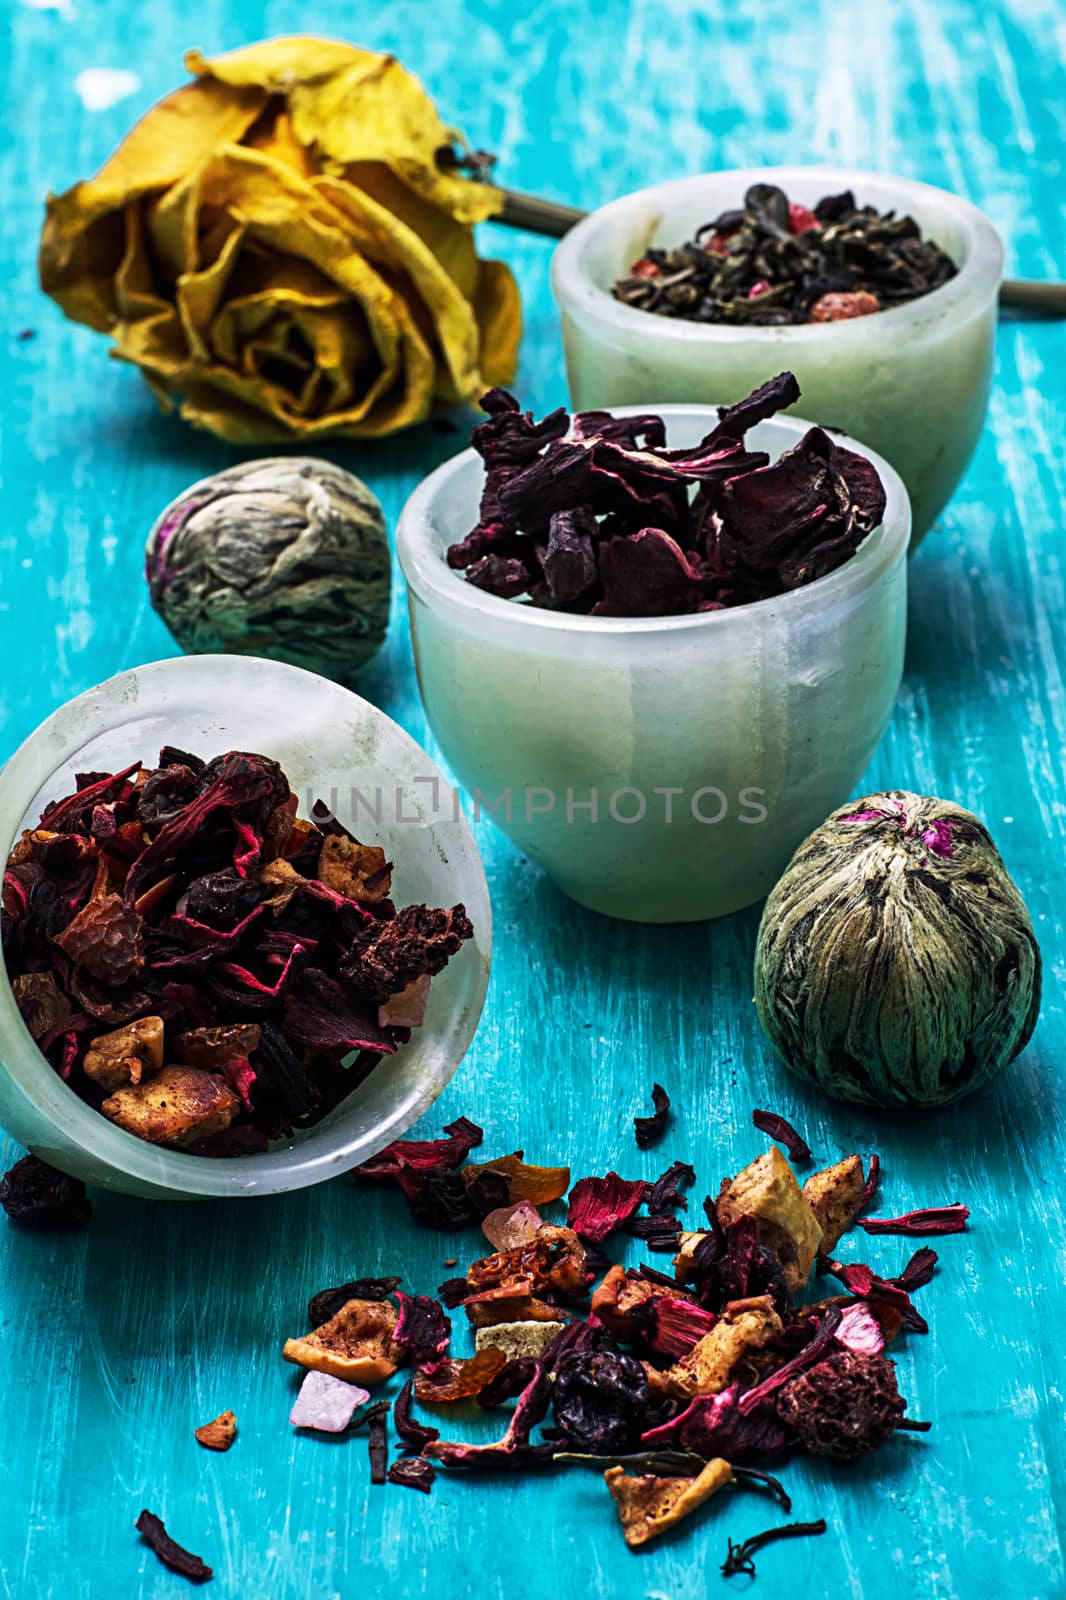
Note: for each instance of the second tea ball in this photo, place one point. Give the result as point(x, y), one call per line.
point(285, 557)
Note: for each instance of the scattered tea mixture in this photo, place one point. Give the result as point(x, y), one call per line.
point(774, 262)
point(896, 962)
point(206, 968)
point(675, 1383)
point(286, 558)
point(593, 514)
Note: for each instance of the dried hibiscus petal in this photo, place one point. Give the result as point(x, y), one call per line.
point(931, 1220)
point(170, 1553)
point(600, 1206)
point(649, 1130)
point(781, 1129)
point(514, 1450)
point(414, 1435)
point(422, 1329)
point(714, 1425)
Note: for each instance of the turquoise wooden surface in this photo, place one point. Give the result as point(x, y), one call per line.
point(115, 1342)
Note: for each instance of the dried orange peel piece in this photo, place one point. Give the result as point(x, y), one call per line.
point(355, 1345)
point(538, 1185)
point(459, 1379)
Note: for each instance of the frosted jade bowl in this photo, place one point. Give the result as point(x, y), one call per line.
point(658, 769)
point(911, 382)
point(331, 745)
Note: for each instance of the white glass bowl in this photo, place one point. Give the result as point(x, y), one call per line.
point(330, 744)
point(911, 382)
point(535, 710)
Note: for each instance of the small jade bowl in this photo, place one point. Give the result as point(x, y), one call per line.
point(659, 769)
point(911, 382)
point(333, 746)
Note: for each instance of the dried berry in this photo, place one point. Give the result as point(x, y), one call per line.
point(415, 1473)
point(423, 1330)
point(844, 1406)
point(35, 1195)
point(327, 1302)
point(602, 1401)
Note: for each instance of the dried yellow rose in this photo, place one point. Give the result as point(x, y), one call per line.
point(275, 246)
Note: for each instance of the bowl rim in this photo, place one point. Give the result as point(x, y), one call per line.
point(432, 580)
point(577, 293)
point(52, 744)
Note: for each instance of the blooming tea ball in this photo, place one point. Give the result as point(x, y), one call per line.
point(285, 557)
point(896, 963)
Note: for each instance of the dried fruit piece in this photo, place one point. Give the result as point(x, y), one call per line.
point(413, 1473)
point(834, 1195)
point(178, 1106)
point(518, 1340)
point(359, 871)
point(553, 1259)
point(514, 1450)
point(170, 1553)
point(219, 1434)
point(422, 1329)
point(35, 1195)
point(327, 1302)
point(714, 1425)
point(648, 1505)
point(355, 1344)
point(408, 1008)
point(43, 1005)
point(744, 1326)
point(507, 1302)
point(843, 305)
point(106, 939)
point(326, 1403)
point(767, 1190)
point(844, 1406)
point(460, 1380)
point(413, 1434)
point(602, 1401)
point(123, 1057)
point(418, 940)
point(538, 1185)
point(212, 1048)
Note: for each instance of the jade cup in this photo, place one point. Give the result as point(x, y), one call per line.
point(912, 382)
point(331, 745)
point(659, 769)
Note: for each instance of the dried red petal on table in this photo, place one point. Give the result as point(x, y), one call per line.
point(170, 1553)
point(649, 1130)
point(714, 1425)
point(930, 1220)
point(780, 1129)
point(600, 1206)
point(422, 1329)
point(413, 1434)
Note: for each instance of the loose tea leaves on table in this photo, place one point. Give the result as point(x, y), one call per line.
point(200, 964)
point(677, 1385)
point(598, 520)
point(771, 263)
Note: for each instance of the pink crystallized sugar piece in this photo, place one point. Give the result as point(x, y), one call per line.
point(326, 1404)
point(512, 1226)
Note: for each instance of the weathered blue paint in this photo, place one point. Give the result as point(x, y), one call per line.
point(116, 1342)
